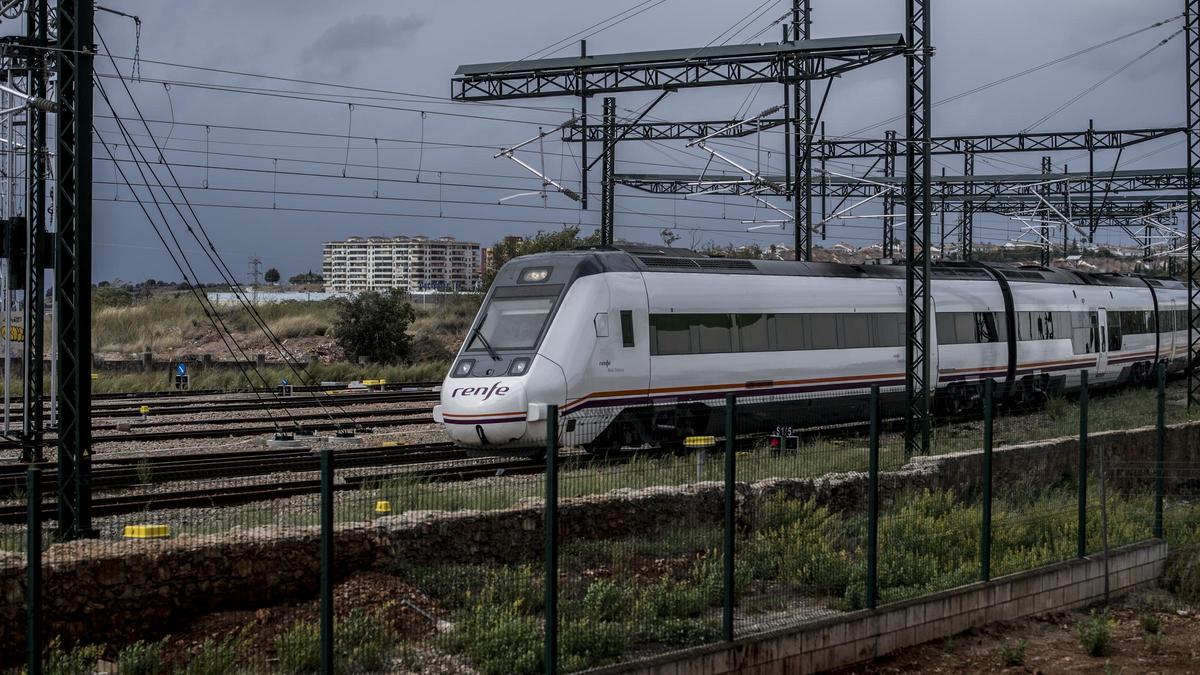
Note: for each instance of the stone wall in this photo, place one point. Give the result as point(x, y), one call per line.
point(117, 591)
point(867, 634)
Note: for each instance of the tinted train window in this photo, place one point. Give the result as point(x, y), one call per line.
point(1085, 332)
point(888, 330)
point(714, 332)
point(670, 334)
point(626, 328)
point(1133, 322)
point(1041, 325)
point(957, 328)
point(791, 332)
point(856, 331)
point(754, 332)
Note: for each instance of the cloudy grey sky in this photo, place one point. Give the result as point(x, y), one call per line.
point(395, 184)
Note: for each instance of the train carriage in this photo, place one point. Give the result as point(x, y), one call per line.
point(638, 345)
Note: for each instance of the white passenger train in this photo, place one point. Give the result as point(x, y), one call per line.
point(640, 345)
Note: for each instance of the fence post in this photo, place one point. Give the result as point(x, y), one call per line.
point(327, 561)
point(730, 483)
point(1160, 443)
point(33, 560)
point(551, 527)
point(873, 503)
point(985, 539)
point(1081, 543)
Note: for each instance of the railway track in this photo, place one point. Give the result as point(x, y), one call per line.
point(194, 393)
point(236, 432)
point(234, 495)
point(125, 472)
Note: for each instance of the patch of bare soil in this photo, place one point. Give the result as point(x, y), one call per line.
point(404, 607)
point(1052, 645)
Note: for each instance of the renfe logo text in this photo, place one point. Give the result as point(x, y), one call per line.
point(485, 392)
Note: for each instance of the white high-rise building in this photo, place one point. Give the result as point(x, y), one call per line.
point(411, 263)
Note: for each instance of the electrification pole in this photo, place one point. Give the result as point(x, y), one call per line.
point(73, 264)
point(802, 135)
point(919, 206)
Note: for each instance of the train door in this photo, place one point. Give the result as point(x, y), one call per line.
point(1102, 354)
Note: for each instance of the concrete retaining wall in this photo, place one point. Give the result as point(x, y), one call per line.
point(864, 635)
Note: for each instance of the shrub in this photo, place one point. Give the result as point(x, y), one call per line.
point(140, 658)
point(588, 643)
point(1095, 634)
point(375, 325)
point(1154, 642)
point(1010, 653)
point(76, 661)
point(497, 639)
point(216, 656)
point(461, 586)
point(362, 643)
point(299, 648)
point(606, 601)
point(680, 632)
point(1150, 622)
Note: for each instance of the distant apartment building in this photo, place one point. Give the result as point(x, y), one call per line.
point(410, 263)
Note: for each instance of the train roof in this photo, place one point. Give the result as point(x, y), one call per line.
point(667, 259)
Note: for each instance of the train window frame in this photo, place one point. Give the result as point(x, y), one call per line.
point(627, 336)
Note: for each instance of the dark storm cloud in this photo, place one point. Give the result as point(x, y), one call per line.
point(345, 42)
point(412, 46)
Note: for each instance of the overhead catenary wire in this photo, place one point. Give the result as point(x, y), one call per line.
point(212, 253)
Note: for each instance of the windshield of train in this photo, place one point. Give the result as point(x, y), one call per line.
point(514, 319)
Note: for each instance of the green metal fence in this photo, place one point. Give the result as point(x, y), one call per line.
point(707, 522)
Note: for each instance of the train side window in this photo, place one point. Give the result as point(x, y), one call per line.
point(753, 333)
point(889, 330)
point(791, 332)
point(856, 331)
point(824, 331)
point(670, 334)
point(947, 334)
point(1114, 336)
point(714, 333)
point(964, 327)
point(627, 328)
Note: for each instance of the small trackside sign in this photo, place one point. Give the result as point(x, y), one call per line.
point(482, 393)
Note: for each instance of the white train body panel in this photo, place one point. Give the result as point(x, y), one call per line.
point(623, 333)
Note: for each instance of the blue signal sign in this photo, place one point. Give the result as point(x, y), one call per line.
point(181, 369)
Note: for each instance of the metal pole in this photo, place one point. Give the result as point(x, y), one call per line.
point(1100, 456)
point(551, 527)
point(730, 486)
point(73, 264)
point(583, 146)
point(1081, 543)
point(33, 561)
point(873, 503)
point(7, 351)
point(1160, 444)
point(985, 539)
point(607, 184)
point(327, 664)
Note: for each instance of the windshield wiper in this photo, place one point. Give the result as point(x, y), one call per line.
point(479, 334)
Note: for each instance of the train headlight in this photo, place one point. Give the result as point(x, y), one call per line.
point(519, 366)
point(535, 275)
point(463, 369)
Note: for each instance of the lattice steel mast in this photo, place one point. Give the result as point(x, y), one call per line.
point(919, 108)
